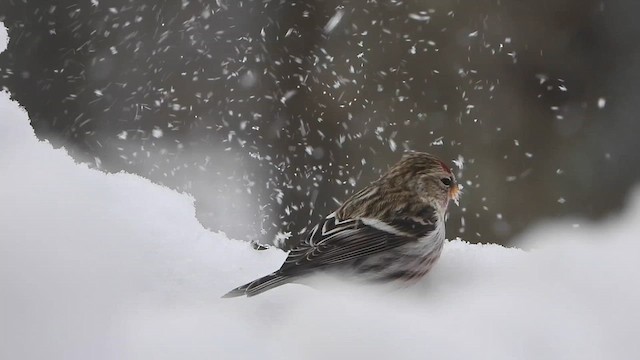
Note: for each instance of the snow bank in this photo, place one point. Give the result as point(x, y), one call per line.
point(97, 266)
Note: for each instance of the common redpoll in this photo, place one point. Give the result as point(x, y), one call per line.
point(391, 230)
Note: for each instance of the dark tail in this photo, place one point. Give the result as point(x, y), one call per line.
point(259, 286)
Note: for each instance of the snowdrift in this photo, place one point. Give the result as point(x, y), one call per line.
point(99, 266)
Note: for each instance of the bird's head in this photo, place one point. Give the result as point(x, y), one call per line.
point(418, 179)
point(428, 178)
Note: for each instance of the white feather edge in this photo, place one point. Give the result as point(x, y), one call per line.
point(383, 226)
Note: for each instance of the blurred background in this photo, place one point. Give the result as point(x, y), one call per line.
point(272, 112)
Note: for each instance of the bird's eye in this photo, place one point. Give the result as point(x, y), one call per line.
point(446, 181)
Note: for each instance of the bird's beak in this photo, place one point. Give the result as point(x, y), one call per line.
point(454, 193)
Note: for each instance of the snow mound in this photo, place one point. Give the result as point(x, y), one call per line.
point(99, 266)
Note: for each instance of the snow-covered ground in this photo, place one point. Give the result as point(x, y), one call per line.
point(98, 266)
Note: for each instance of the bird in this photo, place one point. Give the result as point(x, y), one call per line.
point(391, 230)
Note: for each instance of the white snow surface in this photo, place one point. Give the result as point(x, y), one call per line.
point(99, 266)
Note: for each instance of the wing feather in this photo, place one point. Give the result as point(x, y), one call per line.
point(334, 241)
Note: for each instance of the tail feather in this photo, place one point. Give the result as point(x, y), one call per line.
point(259, 286)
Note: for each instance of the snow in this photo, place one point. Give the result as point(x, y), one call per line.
point(99, 266)
point(334, 21)
point(4, 39)
point(602, 102)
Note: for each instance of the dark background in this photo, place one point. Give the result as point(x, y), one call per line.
point(269, 112)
